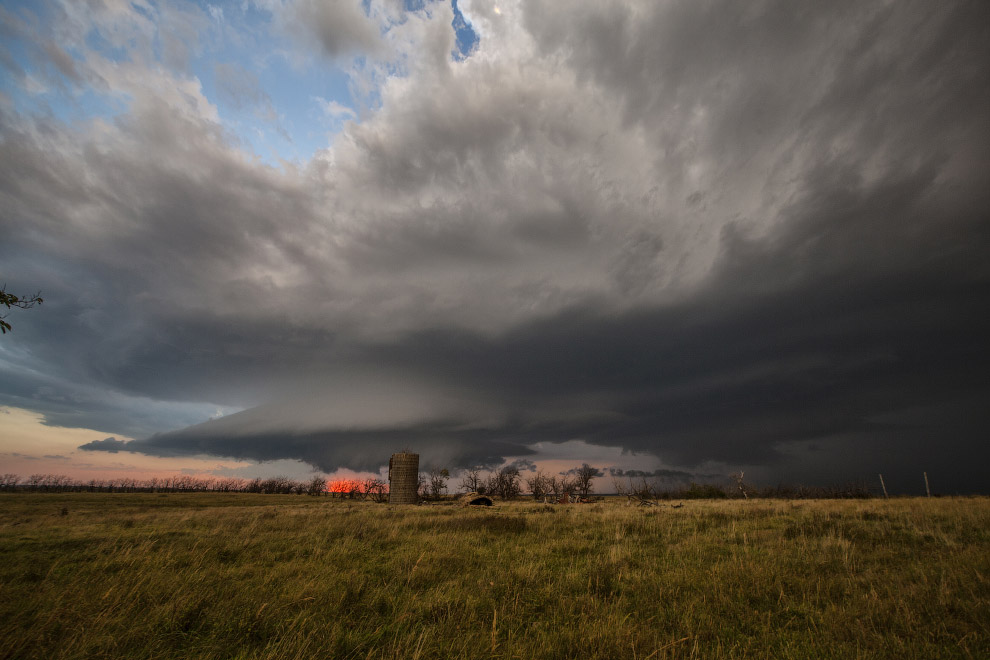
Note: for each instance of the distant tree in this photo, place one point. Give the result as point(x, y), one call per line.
point(438, 482)
point(280, 484)
point(505, 483)
point(376, 489)
point(560, 485)
point(583, 478)
point(643, 491)
point(317, 485)
point(471, 481)
point(183, 483)
point(620, 488)
point(230, 484)
point(9, 300)
point(646, 490)
point(539, 484)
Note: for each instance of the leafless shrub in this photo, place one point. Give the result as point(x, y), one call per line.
point(506, 483)
point(471, 481)
point(583, 478)
point(437, 485)
point(376, 489)
point(539, 484)
point(317, 485)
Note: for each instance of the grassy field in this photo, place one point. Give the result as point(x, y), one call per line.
point(268, 576)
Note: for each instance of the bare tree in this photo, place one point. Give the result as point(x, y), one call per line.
point(643, 491)
point(584, 475)
point(646, 490)
point(539, 484)
point(230, 484)
point(280, 484)
point(317, 485)
point(561, 485)
point(505, 483)
point(438, 482)
point(471, 481)
point(620, 488)
point(376, 489)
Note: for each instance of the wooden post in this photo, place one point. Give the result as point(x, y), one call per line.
point(928, 491)
point(884, 486)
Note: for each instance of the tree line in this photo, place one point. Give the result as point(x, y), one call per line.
point(509, 483)
point(60, 483)
point(505, 483)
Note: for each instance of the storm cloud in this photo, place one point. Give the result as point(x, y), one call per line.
point(112, 445)
point(714, 233)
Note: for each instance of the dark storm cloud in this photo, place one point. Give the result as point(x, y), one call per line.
point(673, 475)
point(442, 442)
point(709, 232)
point(112, 445)
point(68, 402)
point(340, 27)
point(595, 471)
point(734, 375)
point(523, 465)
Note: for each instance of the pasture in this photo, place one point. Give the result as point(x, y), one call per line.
point(269, 576)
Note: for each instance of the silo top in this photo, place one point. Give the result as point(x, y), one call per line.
point(404, 460)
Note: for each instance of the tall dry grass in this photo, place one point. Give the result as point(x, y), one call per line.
point(267, 576)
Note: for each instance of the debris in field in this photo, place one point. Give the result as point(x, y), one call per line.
point(476, 499)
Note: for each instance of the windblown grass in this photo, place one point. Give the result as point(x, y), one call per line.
point(268, 576)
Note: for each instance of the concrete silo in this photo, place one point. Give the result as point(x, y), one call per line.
point(403, 478)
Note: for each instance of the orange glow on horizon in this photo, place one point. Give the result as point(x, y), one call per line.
point(349, 486)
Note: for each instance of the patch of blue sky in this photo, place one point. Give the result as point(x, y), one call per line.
point(299, 104)
point(31, 81)
point(85, 104)
point(282, 111)
point(305, 100)
point(35, 87)
point(466, 37)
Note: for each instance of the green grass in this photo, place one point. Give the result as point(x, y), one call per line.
point(269, 576)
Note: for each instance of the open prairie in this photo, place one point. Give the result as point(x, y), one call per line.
point(269, 576)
